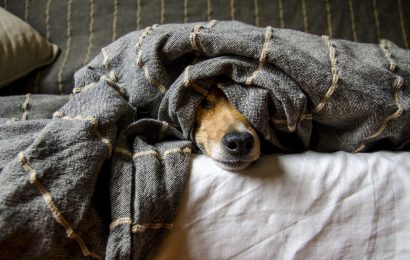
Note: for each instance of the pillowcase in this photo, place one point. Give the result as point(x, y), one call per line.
point(22, 49)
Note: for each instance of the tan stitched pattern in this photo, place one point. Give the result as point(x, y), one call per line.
point(292, 128)
point(162, 12)
point(12, 120)
point(256, 11)
point(335, 76)
point(26, 106)
point(284, 121)
point(397, 86)
point(153, 81)
point(177, 150)
point(211, 24)
point(352, 21)
point(266, 133)
point(387, 55)
point(138, 14)
point(304, 14)
point(137, 228)
point(26, 9)
point(90, 32)
point(144, 34)
point(58, 216)
point(194, 85)
point(209, 10)
point(119, 222)
point(199, 88)
point(67, 49)
point(111, 79)
point(186, 76)
point(163, 129)
point(58, 114)
point(106, 64)
point(403, 145)
point(193, 37)
point(306, 116)
point(103, 139)
point(262, 58)
point(166, 153)
point(83, 88)
point(110, 82)
point(114, 20)
point(185, 11)
point(232, 9)
point(281, 17)
point(376, 20)
point(47, 18)
point(329, 18)
point(139, 62)
point(145, 153)
point(403, 27)
point(93, 121)
point(123, 151)
point(329, 92)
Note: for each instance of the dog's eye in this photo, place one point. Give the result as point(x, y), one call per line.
point(207, 104)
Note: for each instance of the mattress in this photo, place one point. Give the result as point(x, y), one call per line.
point(296, 206)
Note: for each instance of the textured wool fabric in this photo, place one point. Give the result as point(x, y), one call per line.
point(299, 91)
point(104, 175)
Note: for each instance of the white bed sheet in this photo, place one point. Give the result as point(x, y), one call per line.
point(301, 206)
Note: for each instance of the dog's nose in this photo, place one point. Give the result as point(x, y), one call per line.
point(238, 143)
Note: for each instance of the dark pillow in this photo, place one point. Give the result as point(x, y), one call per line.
point(22, 49)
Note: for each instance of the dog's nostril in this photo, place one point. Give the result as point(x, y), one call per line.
point(238, 143)
point(232, 145)
point(249, 145)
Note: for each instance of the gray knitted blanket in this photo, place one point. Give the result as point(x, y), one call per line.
point(102, 175)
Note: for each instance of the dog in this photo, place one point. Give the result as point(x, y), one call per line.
point(224, 134)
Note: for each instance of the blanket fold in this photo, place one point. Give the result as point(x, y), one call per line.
point(132, 114)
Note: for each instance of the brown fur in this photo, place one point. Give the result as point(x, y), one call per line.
point(214, 120)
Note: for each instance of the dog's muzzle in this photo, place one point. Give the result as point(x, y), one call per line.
point(238, 144)
point(237, 150)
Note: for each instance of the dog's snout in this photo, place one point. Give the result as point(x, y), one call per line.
point(238, 143)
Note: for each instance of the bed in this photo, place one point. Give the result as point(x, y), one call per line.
point(96, 162)
point(295, 206)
